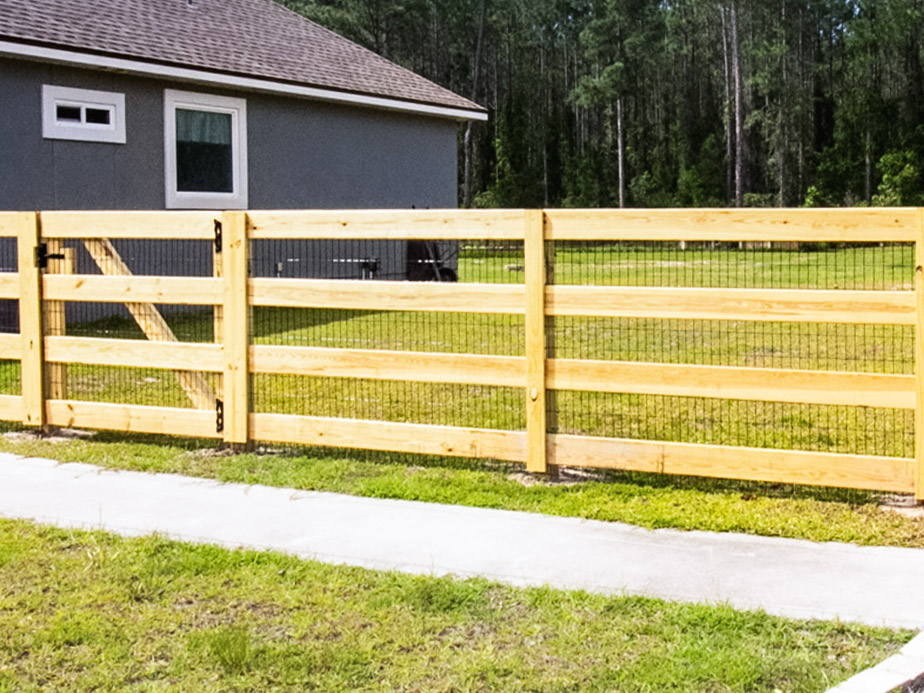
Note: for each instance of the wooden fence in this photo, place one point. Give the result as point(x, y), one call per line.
point(44, 349)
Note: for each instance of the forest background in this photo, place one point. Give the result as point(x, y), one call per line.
point(600, 103)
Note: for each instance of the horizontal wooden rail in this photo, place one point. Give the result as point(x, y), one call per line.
point(143, 225)
point(10, 346)
point(893, 474)
point(468, 369)
point(726, 382)
point(386, 295)
point(799, 225)
point(422, 224)
point(131, 418)
point(193, 291)
point(134, 353)
point(11, 222)
point(9, 285)
point(387, 436)
point(765, 305)
point(11, 407)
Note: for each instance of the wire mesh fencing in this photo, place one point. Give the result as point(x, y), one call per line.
point(857, 348)
point(435, 403)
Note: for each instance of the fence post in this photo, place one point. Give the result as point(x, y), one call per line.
point(235, 325)
point(55, 315)
point(534, 267)
point(32, 372)
point(919, 360)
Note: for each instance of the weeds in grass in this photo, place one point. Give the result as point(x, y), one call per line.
point(231, 646)
point(245, 620)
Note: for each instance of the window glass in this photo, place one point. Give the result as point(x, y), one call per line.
point(204, 157)
point(69, 113)
point(98, 116)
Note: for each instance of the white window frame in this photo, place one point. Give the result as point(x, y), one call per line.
point(237, 109)
point(80, 130)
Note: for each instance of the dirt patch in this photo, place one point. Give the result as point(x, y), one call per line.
point(902, 504)
point(567, 476)
point(60, 435)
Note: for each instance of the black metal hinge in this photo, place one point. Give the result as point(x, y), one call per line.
point(217, 236)
point(42, 256)
point(219, 416)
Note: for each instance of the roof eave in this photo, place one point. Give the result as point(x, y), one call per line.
point(206, 77)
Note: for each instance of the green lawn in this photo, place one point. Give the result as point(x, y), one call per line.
point(90, 611)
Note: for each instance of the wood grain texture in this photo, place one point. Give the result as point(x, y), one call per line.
point(919, 361)
point(799, 225)
point(191, 291)
point(236, 328)
point(132, 418)
point(763, 305)
point(10, 224)
point(30, 322)
point(11, 408)
point(893, 474)
point(386, 295)
point(10, 346)
point(395, 437)
point(218, 330)
point(535, 395)
point(134, 353)
point(423, 224)
point(129, 224)
point(467, 369)
point(9, 285)
point(726, 382)
point(56, 318)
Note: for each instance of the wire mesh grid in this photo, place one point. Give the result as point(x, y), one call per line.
point(182, 323)
point(10, 381)
point(414, 331)
point(807, 346)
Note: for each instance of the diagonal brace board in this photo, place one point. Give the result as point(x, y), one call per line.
point(150, 320)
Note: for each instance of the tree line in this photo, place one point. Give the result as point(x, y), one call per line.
point(666, 103)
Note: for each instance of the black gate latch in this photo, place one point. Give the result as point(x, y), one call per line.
point(42, 256)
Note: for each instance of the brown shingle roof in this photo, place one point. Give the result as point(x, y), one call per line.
point(250, 38)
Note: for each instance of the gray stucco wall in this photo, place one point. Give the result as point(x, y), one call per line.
point(301, 154)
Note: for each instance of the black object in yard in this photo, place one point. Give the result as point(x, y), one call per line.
point(425, 263)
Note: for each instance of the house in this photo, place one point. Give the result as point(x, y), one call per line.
point(218, 104)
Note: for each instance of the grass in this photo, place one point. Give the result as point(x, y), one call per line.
point(90, 611)
point(653, 501)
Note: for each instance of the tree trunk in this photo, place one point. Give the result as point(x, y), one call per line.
point(739, 108)
point(729, 137)
point(468, 145)
point(620, 153)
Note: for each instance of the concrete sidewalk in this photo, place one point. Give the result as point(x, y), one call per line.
point(872, 585)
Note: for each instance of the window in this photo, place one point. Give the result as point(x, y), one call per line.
point(205, 151)
point(82, 115)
